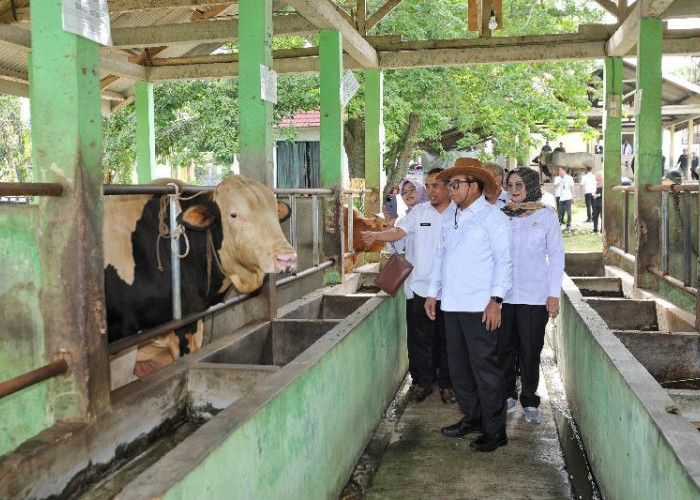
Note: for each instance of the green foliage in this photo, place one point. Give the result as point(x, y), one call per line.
point(15, 153)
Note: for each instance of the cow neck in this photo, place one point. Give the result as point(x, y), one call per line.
point(212, 255)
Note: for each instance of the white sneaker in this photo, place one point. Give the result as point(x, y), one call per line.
point(532, 415)
point(510, 405)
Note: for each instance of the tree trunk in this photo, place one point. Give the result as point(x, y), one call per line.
point(354, 140)
point(396, 161)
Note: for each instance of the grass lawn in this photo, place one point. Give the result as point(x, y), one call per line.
point(581, 238)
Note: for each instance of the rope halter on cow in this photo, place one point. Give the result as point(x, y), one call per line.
point(164, 229)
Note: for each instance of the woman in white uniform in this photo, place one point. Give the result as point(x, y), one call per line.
point(537, 252)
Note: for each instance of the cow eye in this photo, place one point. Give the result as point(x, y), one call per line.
point(234, 215)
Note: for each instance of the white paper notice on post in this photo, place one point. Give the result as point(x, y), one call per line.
point(638, 101)
point(268, 84)
point(89, 19)
point(350, 86)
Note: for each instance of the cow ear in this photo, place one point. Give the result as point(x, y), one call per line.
point(199, 217)
point(283, 211)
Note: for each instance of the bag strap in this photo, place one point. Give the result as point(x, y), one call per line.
point(394, 247)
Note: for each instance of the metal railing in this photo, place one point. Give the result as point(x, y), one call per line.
point(33, 377)
point(30, 189)
point(682, 190)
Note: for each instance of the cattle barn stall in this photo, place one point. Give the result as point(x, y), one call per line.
point(268, 388)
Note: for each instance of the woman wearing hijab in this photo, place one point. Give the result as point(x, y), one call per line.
point(412, 193)
point(537, 252)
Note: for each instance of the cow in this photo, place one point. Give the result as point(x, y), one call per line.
point(575, 161)
point(361, 224)
point(232, 238)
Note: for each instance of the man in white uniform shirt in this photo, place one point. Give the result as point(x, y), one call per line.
point(589, 185)
point(471, 275)
point(427, 357)
point(566, 198)
point(497, 172)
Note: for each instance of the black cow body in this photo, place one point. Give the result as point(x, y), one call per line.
point(147, 302)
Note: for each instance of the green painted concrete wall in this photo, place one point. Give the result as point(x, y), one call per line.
point(612, 398)
point(305, 442)
point(21, 347)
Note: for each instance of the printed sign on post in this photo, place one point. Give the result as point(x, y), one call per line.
point(268, 84)
point(350, 86)
point(637, 102)
point(613, 108)
point(87, 18)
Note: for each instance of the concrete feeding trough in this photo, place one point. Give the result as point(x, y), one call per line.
point(163, 427)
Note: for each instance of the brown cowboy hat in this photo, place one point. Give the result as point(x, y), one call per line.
point(471, 167)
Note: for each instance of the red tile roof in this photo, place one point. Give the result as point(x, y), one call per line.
point(302, 119)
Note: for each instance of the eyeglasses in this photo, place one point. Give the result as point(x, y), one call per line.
point(515, 186)
point(454, 185)
point(408, 191)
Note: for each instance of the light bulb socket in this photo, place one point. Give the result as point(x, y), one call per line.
point(493, 23)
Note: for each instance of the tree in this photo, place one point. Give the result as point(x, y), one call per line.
point(14, 141)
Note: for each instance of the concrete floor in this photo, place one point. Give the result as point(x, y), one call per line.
point(420, 462)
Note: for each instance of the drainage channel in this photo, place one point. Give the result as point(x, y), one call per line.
point(583, 483)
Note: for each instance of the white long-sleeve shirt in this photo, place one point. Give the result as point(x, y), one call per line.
point(472, 262)
point(422, 226)
point(537, 251)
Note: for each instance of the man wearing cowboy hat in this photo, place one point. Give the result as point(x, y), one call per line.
point(471, 274)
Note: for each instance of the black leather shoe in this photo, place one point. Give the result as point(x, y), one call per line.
point(488, 443)
point(461, 428)
point(420, 393)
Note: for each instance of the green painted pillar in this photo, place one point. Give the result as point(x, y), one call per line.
point(331, 72)
point(145, 133)
point(613, 209)
point(255, 118)
point(374, 108)
point(67, 149)
point(647, 141)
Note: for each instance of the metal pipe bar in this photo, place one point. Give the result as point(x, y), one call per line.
point(305, 272)
point(30, 189)
point(114, 189)
point(622, 253)
point(175, 258)
point(125, 343)
point(687, 253)
point(355, 191)
point(680, 188)
point(33, 377)
point(673, 281)
point(627, 222)
point(351, 246)
point(315, 240)
point(664, 233)
point(623, 188)
point(293, 221)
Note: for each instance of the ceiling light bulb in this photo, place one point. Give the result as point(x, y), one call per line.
point(493, 24)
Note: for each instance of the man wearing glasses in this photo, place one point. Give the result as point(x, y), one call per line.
point(471, 275)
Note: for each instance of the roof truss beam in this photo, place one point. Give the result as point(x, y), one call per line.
point(381, 13)
point(202, 32)
point(323, 15)
point(625, 38)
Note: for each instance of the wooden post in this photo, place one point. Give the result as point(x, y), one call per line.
point(672, 146)
point(374, 102)
point(648, 150)
point(255, 50)
point(67, 148)
point(331, 154)
point(612, 166)
point(145, 133)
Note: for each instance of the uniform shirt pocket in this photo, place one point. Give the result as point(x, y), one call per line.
point(536, 240)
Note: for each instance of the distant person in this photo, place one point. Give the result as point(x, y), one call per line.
point(546, 148)
point(598, 201)
point(694, 166)
point(560, 148)
point(557, 191)
point(599, 149)
point(548, 199)
point(588, 185)
point(497, 173)
point(566, 198)
point(626, 148)
point(682, 160)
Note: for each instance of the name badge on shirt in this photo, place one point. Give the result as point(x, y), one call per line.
point(425, 224)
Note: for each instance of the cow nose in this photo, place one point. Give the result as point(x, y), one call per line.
point(285, 263)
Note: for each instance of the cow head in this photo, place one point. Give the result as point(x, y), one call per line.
point(253, 243)
point(361, 224)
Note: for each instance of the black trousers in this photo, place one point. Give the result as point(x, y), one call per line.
point(565, 209)
point(598, 209)
point(521, 338)
point(427, 351)
point(558, 212)
point(589, 205)
point(477, 377)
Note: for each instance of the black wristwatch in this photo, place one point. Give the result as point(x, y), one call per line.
point(497, 300)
